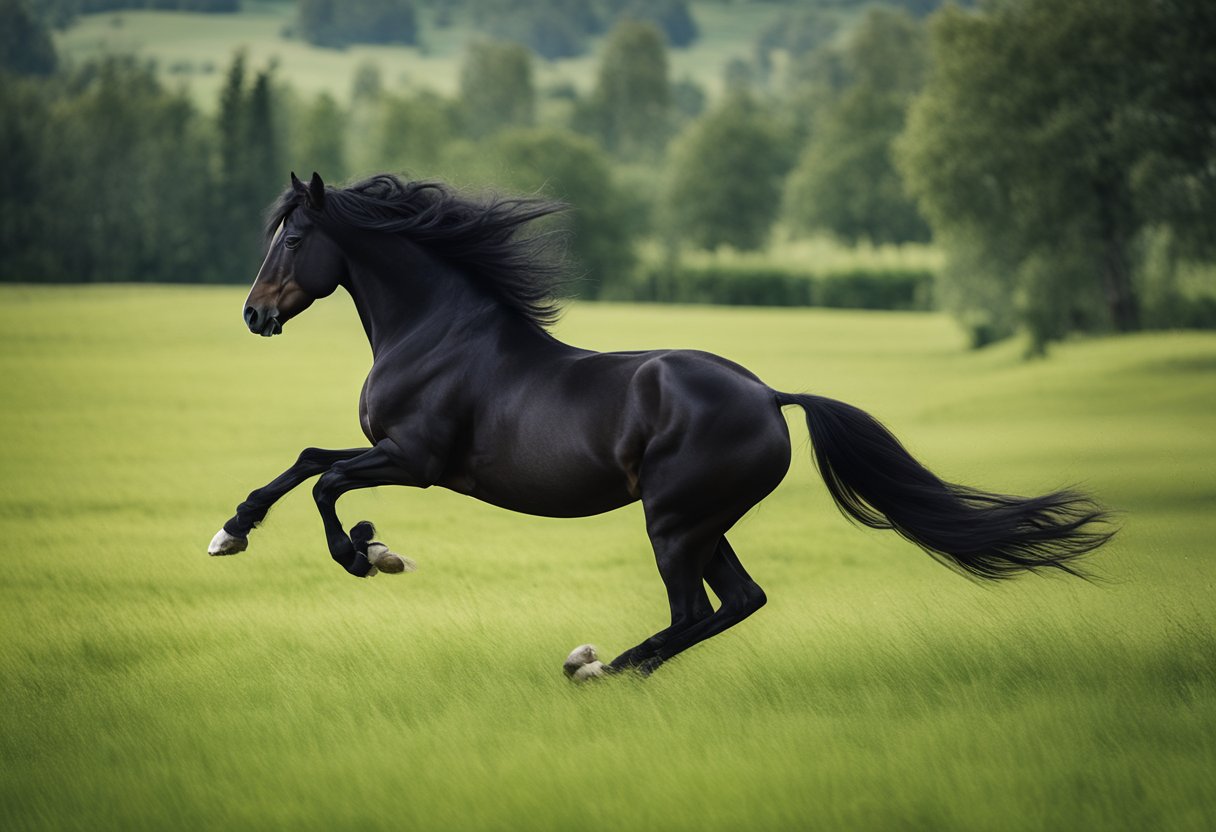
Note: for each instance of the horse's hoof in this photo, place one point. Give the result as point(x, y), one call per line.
point(591, 670)
point(226, 544)
point(583, 663)
point(390, 562)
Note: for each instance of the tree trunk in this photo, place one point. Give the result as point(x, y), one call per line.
point(1115, 265)
point(1121, 300)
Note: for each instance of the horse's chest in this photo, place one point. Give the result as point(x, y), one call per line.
point(377, 415)
point(393, 408)
point(365, 417)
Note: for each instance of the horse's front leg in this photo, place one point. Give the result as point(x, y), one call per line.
point(358, 554)
point(234, 536)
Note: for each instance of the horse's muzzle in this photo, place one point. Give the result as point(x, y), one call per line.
point(264, 322)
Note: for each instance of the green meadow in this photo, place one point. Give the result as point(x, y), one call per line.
point(148, 686)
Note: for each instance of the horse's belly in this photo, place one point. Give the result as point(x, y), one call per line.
point(546, 491)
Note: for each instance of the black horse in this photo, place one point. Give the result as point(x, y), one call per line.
point(469, 391)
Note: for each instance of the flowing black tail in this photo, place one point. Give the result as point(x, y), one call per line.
point(875, 481)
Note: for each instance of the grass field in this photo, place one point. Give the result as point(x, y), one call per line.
point(194, 49)
point(148, 686)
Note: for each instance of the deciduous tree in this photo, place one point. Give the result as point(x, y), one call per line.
point(573, 169)
point(1051, 135)
point(725, 176)
point(496, 88)
point(846, 181)
point(631, 103)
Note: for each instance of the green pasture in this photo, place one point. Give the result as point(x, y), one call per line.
point(148, 686)
point(194, 49)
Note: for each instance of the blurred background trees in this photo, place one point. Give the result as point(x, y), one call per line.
point(846, 181)
point(725, 176)
point(629, 110)
point(496, 88)
point(25, 43)
point(1052, 138)
point(1047, 168)
point(337, 23)
point(601, 222)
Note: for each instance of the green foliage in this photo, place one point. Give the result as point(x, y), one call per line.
point(560, 28)
point(320, 140)
point(835, 95)
point(794, 35)
point(725, 176)
point(61, 12)
point(26, 169)
point(687, 98)
point(496, 88)
point(105, 177)
point(630, 107)
point(250, 171)
point(367, 83)
point(673, 17)
point(25, 43)
point(571, 168)
point(846, 181)
point(412, 132)
point(338, 23)
point(744, 285)
point(553, 28)
point(1050, 137)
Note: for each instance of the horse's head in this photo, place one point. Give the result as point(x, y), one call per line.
point(303, 263)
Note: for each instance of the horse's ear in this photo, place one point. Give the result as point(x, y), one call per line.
point(313, 193)
point(316, 192)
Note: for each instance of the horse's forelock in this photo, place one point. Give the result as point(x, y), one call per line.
point(279, 211)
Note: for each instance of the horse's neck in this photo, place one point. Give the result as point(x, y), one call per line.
point(405, 294)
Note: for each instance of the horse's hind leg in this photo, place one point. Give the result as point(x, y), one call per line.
point(234, 536)
point(682, 559)
point(739, 594)
point(740, 597)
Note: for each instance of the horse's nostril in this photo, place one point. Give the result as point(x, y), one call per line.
point(251, 317)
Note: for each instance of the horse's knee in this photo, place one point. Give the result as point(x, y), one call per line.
point(310, 458)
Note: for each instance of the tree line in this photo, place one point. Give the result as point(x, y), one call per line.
point(1061, 157)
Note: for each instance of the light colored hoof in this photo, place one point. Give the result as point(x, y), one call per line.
point(594, 670)
point(583, 663)
point(390, 562)
point(225, 544)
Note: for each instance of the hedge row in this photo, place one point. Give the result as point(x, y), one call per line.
point(771, 286)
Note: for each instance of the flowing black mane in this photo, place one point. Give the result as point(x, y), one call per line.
point(481, 237)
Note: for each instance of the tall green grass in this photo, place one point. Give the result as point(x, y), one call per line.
point(148, 686)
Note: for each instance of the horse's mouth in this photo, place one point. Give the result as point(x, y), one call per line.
point(272, 327)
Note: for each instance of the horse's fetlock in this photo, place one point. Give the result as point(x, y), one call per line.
point(361, 534)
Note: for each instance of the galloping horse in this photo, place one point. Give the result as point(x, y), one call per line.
point(469, 391)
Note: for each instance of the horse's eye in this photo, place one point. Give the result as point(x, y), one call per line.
point(292, 242)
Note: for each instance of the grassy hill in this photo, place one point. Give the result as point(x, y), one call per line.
point(193, 49)
point(150, 686)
